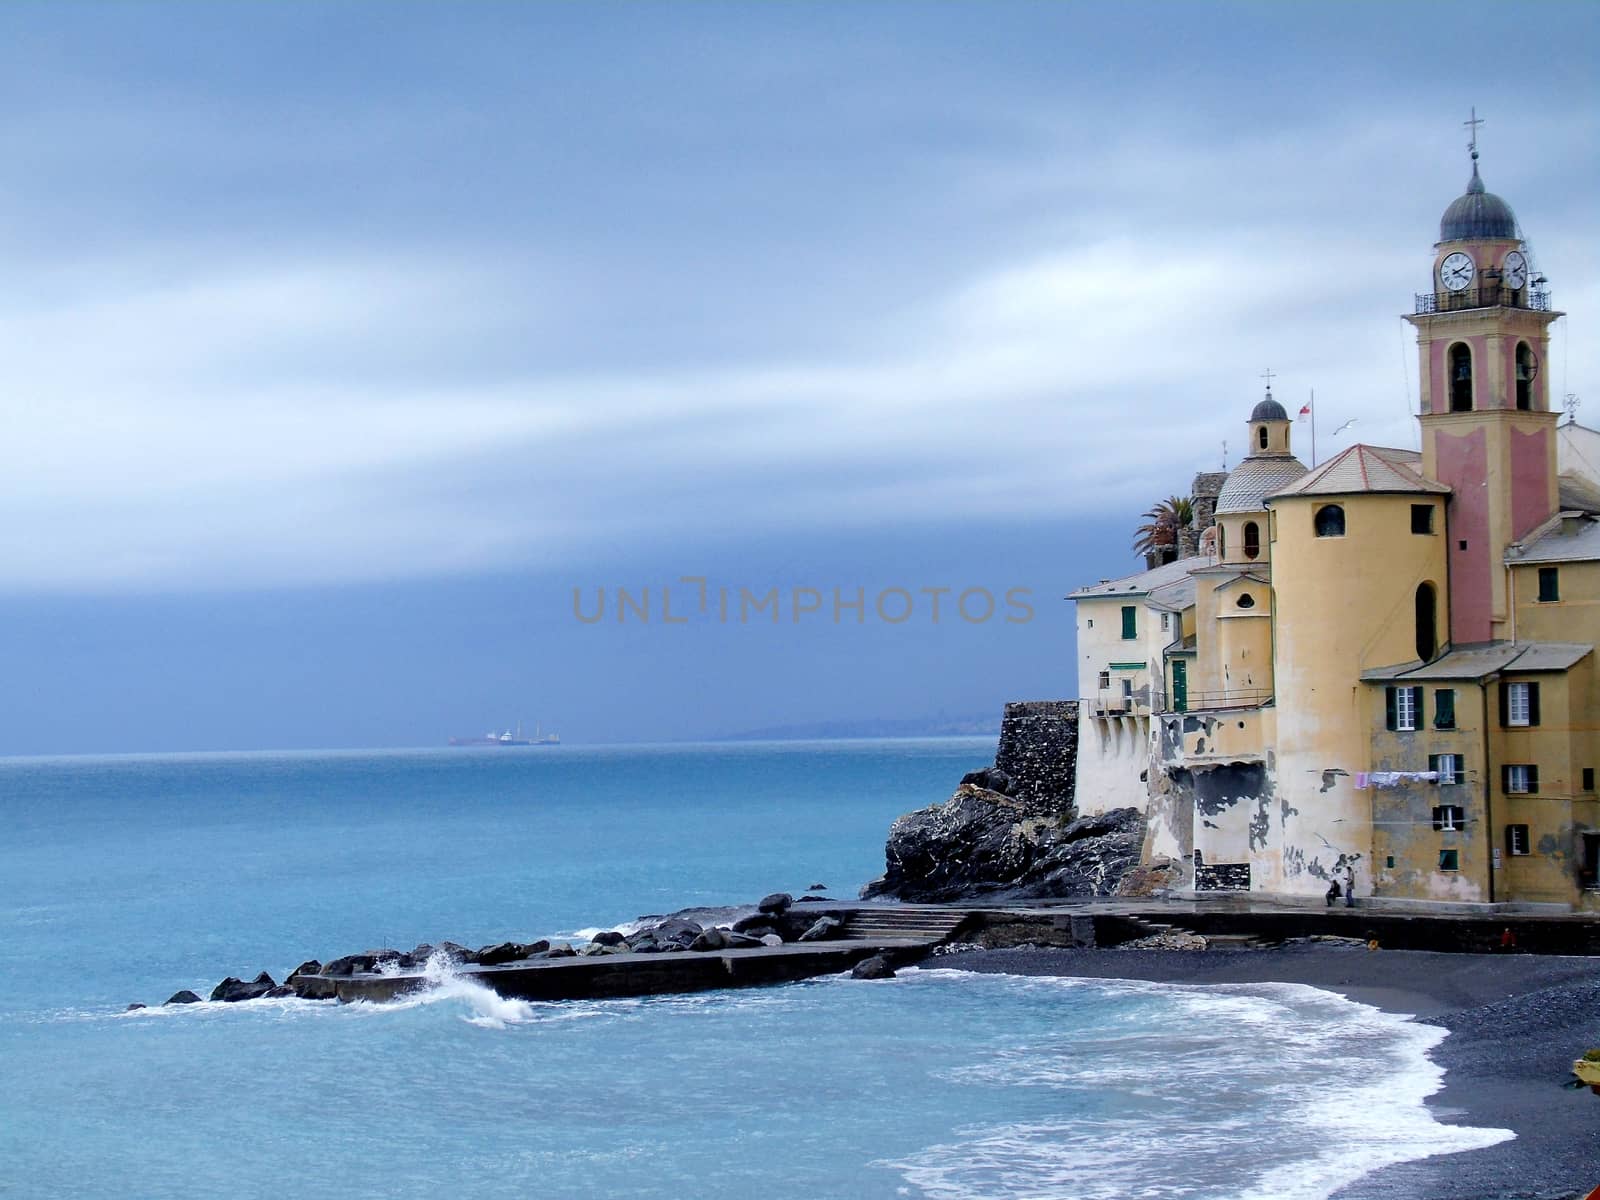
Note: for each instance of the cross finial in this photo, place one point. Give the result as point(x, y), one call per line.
point(1224, 455)
point(1472, 127)
point(1267, 375)
point(1571, 405)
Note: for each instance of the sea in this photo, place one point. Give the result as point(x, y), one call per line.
point(124, 879)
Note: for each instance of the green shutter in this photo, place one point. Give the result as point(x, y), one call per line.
point(1505, 705)
point(1533, 780)
point(1130, 621)
point(1444, 708)
point(1391, 720)
point(1533, 704)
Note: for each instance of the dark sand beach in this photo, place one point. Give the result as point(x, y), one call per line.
point(1516, 1022)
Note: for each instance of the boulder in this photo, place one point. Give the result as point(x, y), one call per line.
point(741, 941)
point(232, 991)
point(990, 779)
point(677, 930)
point(645, 945)
point(608, 937)
point(778, 902)
point(822, 929)
point(350, 964)
point(417, 956)
point(453, 951)
point(771, 939)
point(504, 952)
point(710, 939)
point(310, 967)
point(279, 992)
point(135, 1007)
point(560, 950)
point(876, 967)
point(817, 887)
point(184, 997)
point(752, 923)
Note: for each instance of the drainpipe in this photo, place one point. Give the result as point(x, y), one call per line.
point(1488, 787)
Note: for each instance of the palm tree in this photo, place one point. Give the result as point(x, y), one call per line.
point(1159, 533)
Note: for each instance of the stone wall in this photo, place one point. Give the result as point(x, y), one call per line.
point(1039, 750)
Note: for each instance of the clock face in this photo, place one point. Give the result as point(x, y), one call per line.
point(1455, 272)
point(1514, 271)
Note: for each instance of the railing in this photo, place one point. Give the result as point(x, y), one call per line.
point(1116, 707)
point(1483, 297)
point(1204, 701)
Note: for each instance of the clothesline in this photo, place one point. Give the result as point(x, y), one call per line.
point(1392, 779)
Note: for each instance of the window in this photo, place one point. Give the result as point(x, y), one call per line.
point(1588, 779)
point(1166, 622)
point(1130, 622)
point(1127, 690)
point(1222, 541)
point(1449, 817)
point(1449, 860)
point(1422, 518)
point(1519, 779)
point(1527, 368)
point(1427, 621)
point(1252, 539)
point(1245, 601)
point(1549, 585)
point(1400, 708)
point(1261, 436)
point(1388, 861)
point(1516, 840)
point(1460, 376)
point(1449, 767)
point(1519, 704)
point(1329, 521)
point(1105, 680)
point(1444, 708)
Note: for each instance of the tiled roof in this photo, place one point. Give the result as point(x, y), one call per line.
point(1364, 468)
point(1487, 658)
point(1255, 479)
point(1142, 583)
point(1568, 537)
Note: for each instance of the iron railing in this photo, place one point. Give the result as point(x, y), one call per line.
point(1483, 297)
point(1205, 701)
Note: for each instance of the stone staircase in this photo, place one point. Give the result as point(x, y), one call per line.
point(901, 923)
point(1216, 941)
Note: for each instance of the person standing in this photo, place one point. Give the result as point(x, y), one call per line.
point(1349, 885)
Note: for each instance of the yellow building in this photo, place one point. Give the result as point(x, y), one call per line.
point(1382, 667)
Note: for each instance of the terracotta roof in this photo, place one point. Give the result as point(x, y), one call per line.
point(1364, 468)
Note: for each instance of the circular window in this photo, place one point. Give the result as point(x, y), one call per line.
point(1246, 601)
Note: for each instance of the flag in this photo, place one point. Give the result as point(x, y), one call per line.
point(1305, 412)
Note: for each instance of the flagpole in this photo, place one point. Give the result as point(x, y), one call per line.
point(1313, 427)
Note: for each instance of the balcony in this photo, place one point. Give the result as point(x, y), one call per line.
point(1492, 296)
point(1214, 701)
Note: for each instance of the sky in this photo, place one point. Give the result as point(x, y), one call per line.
point(342, 344)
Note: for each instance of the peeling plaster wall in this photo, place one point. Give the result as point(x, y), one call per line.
point(1232, 803)
point(1113, 762)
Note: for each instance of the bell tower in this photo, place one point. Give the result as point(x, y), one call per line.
point(1487, 429)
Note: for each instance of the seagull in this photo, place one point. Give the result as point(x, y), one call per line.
point(1345, 426)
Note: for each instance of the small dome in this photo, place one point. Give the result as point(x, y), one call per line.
point(1268, 410)
point(1255, 479)
point(1478, 214)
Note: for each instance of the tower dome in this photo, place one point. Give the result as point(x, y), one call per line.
point(1478, 214)
point(1267, 467)
point(1269, 410)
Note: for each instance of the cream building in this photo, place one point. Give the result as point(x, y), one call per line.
point(1385, 663)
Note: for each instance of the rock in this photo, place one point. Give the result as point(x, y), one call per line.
point(771, 939)
point(822, 929)
point(710, 939)
point(135, 1007)
point(741, 941)
point(310, 967)
point(453, 951)
point(756, 929)
point(350, 964)
point(560, 950)
point(417, 956)
point(608, 937)
point(504, 952)
point(645, 945)
point(677, 930)
point(817, 887)
point(778, 902)
point(279, 992)
point(184, 997)
point(876, 967)
point(232, 991)
point(990, 779)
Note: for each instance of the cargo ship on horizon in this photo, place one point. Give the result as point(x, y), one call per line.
point(508, 738)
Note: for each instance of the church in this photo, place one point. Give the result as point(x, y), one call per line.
point(1381, 666)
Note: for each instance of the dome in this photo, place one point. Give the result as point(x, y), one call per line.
point(1268, 410)
point(1478, 214)
point(1255, 479)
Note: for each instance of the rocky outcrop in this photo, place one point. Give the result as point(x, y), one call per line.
point(231, 990)
point(1010, 832)
point(876, 967)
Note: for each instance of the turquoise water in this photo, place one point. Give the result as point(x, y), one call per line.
point(125, 879)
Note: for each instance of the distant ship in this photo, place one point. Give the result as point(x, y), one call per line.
point(508, 738)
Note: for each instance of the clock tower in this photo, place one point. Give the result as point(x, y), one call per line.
point(1487, 429)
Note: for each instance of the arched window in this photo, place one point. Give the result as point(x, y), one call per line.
point(1460, 374)
point(1427, 622)
point(1526, 370)
point(1252, 539)
point(1329, 521)
point(1261, 437)
point(1222, 540)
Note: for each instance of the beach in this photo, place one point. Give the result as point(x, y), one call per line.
point(1515, 1023)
